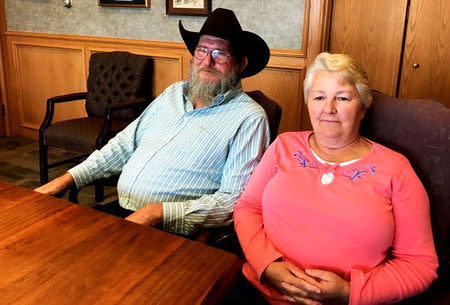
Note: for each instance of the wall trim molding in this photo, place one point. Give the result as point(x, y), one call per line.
point(280, 58)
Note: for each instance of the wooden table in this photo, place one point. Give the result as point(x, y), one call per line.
point(56, 252)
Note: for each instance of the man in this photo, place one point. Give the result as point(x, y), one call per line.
point(184, 162)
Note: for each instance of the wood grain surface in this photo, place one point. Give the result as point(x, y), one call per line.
point(371, 32)
point(55, 252)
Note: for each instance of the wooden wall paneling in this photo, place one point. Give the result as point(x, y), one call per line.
point(281, 85)
point(166, 71)
point(281, 81)
point(317, 29)
point(427, 44)
point(43, 72)
point(306, 120)
point(371, 32)
point(187, 60)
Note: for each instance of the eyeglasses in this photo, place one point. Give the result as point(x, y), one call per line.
point(219, 56)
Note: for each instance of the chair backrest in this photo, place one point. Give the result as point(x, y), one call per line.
point(419, 129)
point(115, 77)
point(272, 109)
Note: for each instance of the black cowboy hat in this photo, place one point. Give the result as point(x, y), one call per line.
point(223, 23)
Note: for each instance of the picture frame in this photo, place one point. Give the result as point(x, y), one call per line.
point(188, 7)
point(130, 3)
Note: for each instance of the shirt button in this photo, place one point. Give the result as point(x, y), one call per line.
point(327, 178)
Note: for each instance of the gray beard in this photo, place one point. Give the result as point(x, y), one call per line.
point(205, 92)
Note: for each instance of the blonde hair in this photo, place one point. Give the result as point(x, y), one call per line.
point(348, 69)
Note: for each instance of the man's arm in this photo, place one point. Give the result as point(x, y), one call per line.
point(111, 158)
point(57, 186)
point(149, 215)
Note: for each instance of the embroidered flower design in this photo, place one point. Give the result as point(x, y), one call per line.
point(354, 173)
point(303, 161)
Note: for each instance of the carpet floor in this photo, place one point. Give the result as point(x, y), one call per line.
point(19, 164)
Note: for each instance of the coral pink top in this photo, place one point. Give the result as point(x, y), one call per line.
point(369, 222)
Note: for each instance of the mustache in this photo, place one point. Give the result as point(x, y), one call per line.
point(210, 70)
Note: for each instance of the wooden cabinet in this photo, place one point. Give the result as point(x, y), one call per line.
point(403, 45)
point(426, 56)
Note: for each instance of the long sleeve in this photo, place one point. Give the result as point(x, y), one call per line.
point(259, 251)
point(216, 209)
point(107, 161)
point(111, 158)
point(411, 266)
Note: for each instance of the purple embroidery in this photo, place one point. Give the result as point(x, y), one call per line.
point(353, 174)
point(303, 161)
point(372, 168)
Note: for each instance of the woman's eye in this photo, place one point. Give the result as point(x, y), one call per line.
point(342, 99)
point(319, 98)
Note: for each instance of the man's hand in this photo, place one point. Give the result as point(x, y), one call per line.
point(57, 186)
point(149, 215)
point(294, 284)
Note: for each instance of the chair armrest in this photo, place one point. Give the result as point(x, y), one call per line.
point(50, 110)
point(67, 97)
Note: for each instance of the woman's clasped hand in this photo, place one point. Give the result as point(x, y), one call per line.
point(309, 287)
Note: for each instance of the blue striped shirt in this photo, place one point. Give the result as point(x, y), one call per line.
point(195, 161)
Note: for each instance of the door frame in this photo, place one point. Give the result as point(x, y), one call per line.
point(3, 98)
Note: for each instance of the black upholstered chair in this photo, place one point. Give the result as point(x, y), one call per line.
point(226, 237)
point(419, 129)
point(118, 89)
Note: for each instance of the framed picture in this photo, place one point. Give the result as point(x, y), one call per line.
point(188, 7)
point(132, 3)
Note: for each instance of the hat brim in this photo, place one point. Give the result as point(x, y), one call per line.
point(249, 45)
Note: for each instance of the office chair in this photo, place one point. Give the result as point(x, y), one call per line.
point(118, 89)
point(419, 129)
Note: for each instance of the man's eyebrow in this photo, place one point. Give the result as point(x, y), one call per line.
point(216, 48)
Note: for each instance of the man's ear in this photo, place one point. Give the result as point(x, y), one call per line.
point(242, 64)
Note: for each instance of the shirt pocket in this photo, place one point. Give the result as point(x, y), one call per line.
point(206, 150)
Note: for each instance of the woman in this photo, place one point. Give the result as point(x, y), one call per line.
point(330, 217)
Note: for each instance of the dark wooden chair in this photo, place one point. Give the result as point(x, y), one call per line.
point(118, 89)
point(419, 129)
